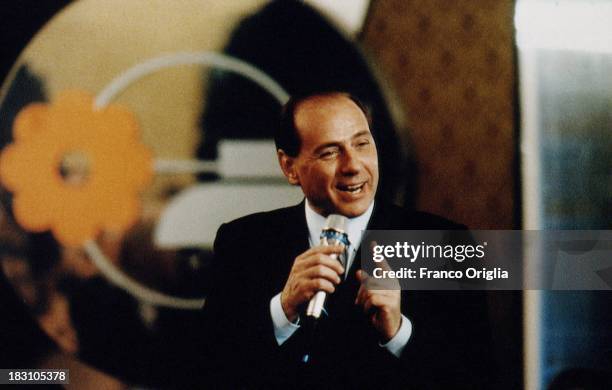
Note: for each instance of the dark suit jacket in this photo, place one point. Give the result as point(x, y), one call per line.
point(449, 346)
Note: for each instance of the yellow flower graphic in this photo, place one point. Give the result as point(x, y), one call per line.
point(74, 170)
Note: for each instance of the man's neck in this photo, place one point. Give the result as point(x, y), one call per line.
point(368, 211)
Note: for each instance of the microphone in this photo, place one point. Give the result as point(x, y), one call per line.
point(333, 233)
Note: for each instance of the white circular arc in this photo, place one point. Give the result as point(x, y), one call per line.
point(146, 294)
point(217, 60)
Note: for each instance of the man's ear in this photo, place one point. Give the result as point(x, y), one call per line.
point(287, 164)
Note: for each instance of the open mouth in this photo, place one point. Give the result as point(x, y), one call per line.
point(352, 189)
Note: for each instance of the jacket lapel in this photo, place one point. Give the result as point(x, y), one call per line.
point(291, 236)
point(378, 220)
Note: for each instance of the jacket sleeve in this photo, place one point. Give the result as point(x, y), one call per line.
point(242, 335)
point(450, 345)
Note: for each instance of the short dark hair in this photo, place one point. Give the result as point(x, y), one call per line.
point(286, 136)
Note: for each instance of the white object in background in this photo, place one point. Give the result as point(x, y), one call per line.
point(192, 218)
point(348, 15)
point(564, 25)
point(256, 158)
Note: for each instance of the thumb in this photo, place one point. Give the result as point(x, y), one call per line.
point(362, 276)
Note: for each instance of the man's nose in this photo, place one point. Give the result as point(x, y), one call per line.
point(350, 164)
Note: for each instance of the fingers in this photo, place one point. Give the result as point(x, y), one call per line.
point(369, 302)
point(368, 306)
point(312, 271)
point(320, 285)
point(360, 295)
point(318, 271)
point(366, 281)
point(319, 256)
point(362, 276)
point(323, 260)
point(370, 289)
point(372, 300)
point(337, 249)
point(382, 306)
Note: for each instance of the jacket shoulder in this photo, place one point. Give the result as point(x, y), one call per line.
point(434, 221)
point(400, 218)
point(259, 223)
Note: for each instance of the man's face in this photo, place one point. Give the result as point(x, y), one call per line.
point(337, 165)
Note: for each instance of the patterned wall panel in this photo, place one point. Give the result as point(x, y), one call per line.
point(451, 65)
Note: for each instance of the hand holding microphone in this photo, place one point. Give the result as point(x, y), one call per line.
point(316, 272)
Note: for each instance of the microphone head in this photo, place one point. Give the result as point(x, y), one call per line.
point(336, 222)
point(334, 231)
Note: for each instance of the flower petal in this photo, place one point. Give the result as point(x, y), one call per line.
point(77, 217)
point(122, 214)
point(139, 171)
point(28, 167)
point(30, 121)
point(74, 233)
point(118, 122)
point(33, 211)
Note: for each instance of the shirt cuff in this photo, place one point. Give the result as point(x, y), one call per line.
point(283, 328)
point(398, 342)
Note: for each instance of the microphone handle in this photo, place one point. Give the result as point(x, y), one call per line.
point(317, 302)
point(315, 306)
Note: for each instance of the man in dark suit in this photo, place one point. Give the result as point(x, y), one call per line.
point(269, 265)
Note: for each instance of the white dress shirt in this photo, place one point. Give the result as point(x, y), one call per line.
point(283, 328)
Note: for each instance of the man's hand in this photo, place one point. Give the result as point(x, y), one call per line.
point(382, 306)
point(312, 271)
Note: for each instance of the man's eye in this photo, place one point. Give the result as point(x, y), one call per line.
point(363, 143)
point(328, 154)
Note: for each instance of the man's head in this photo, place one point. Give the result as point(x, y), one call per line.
point(326, 147)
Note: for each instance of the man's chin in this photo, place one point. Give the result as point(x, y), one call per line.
point(353, 210)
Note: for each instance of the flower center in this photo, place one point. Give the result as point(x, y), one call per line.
point(74, 168)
